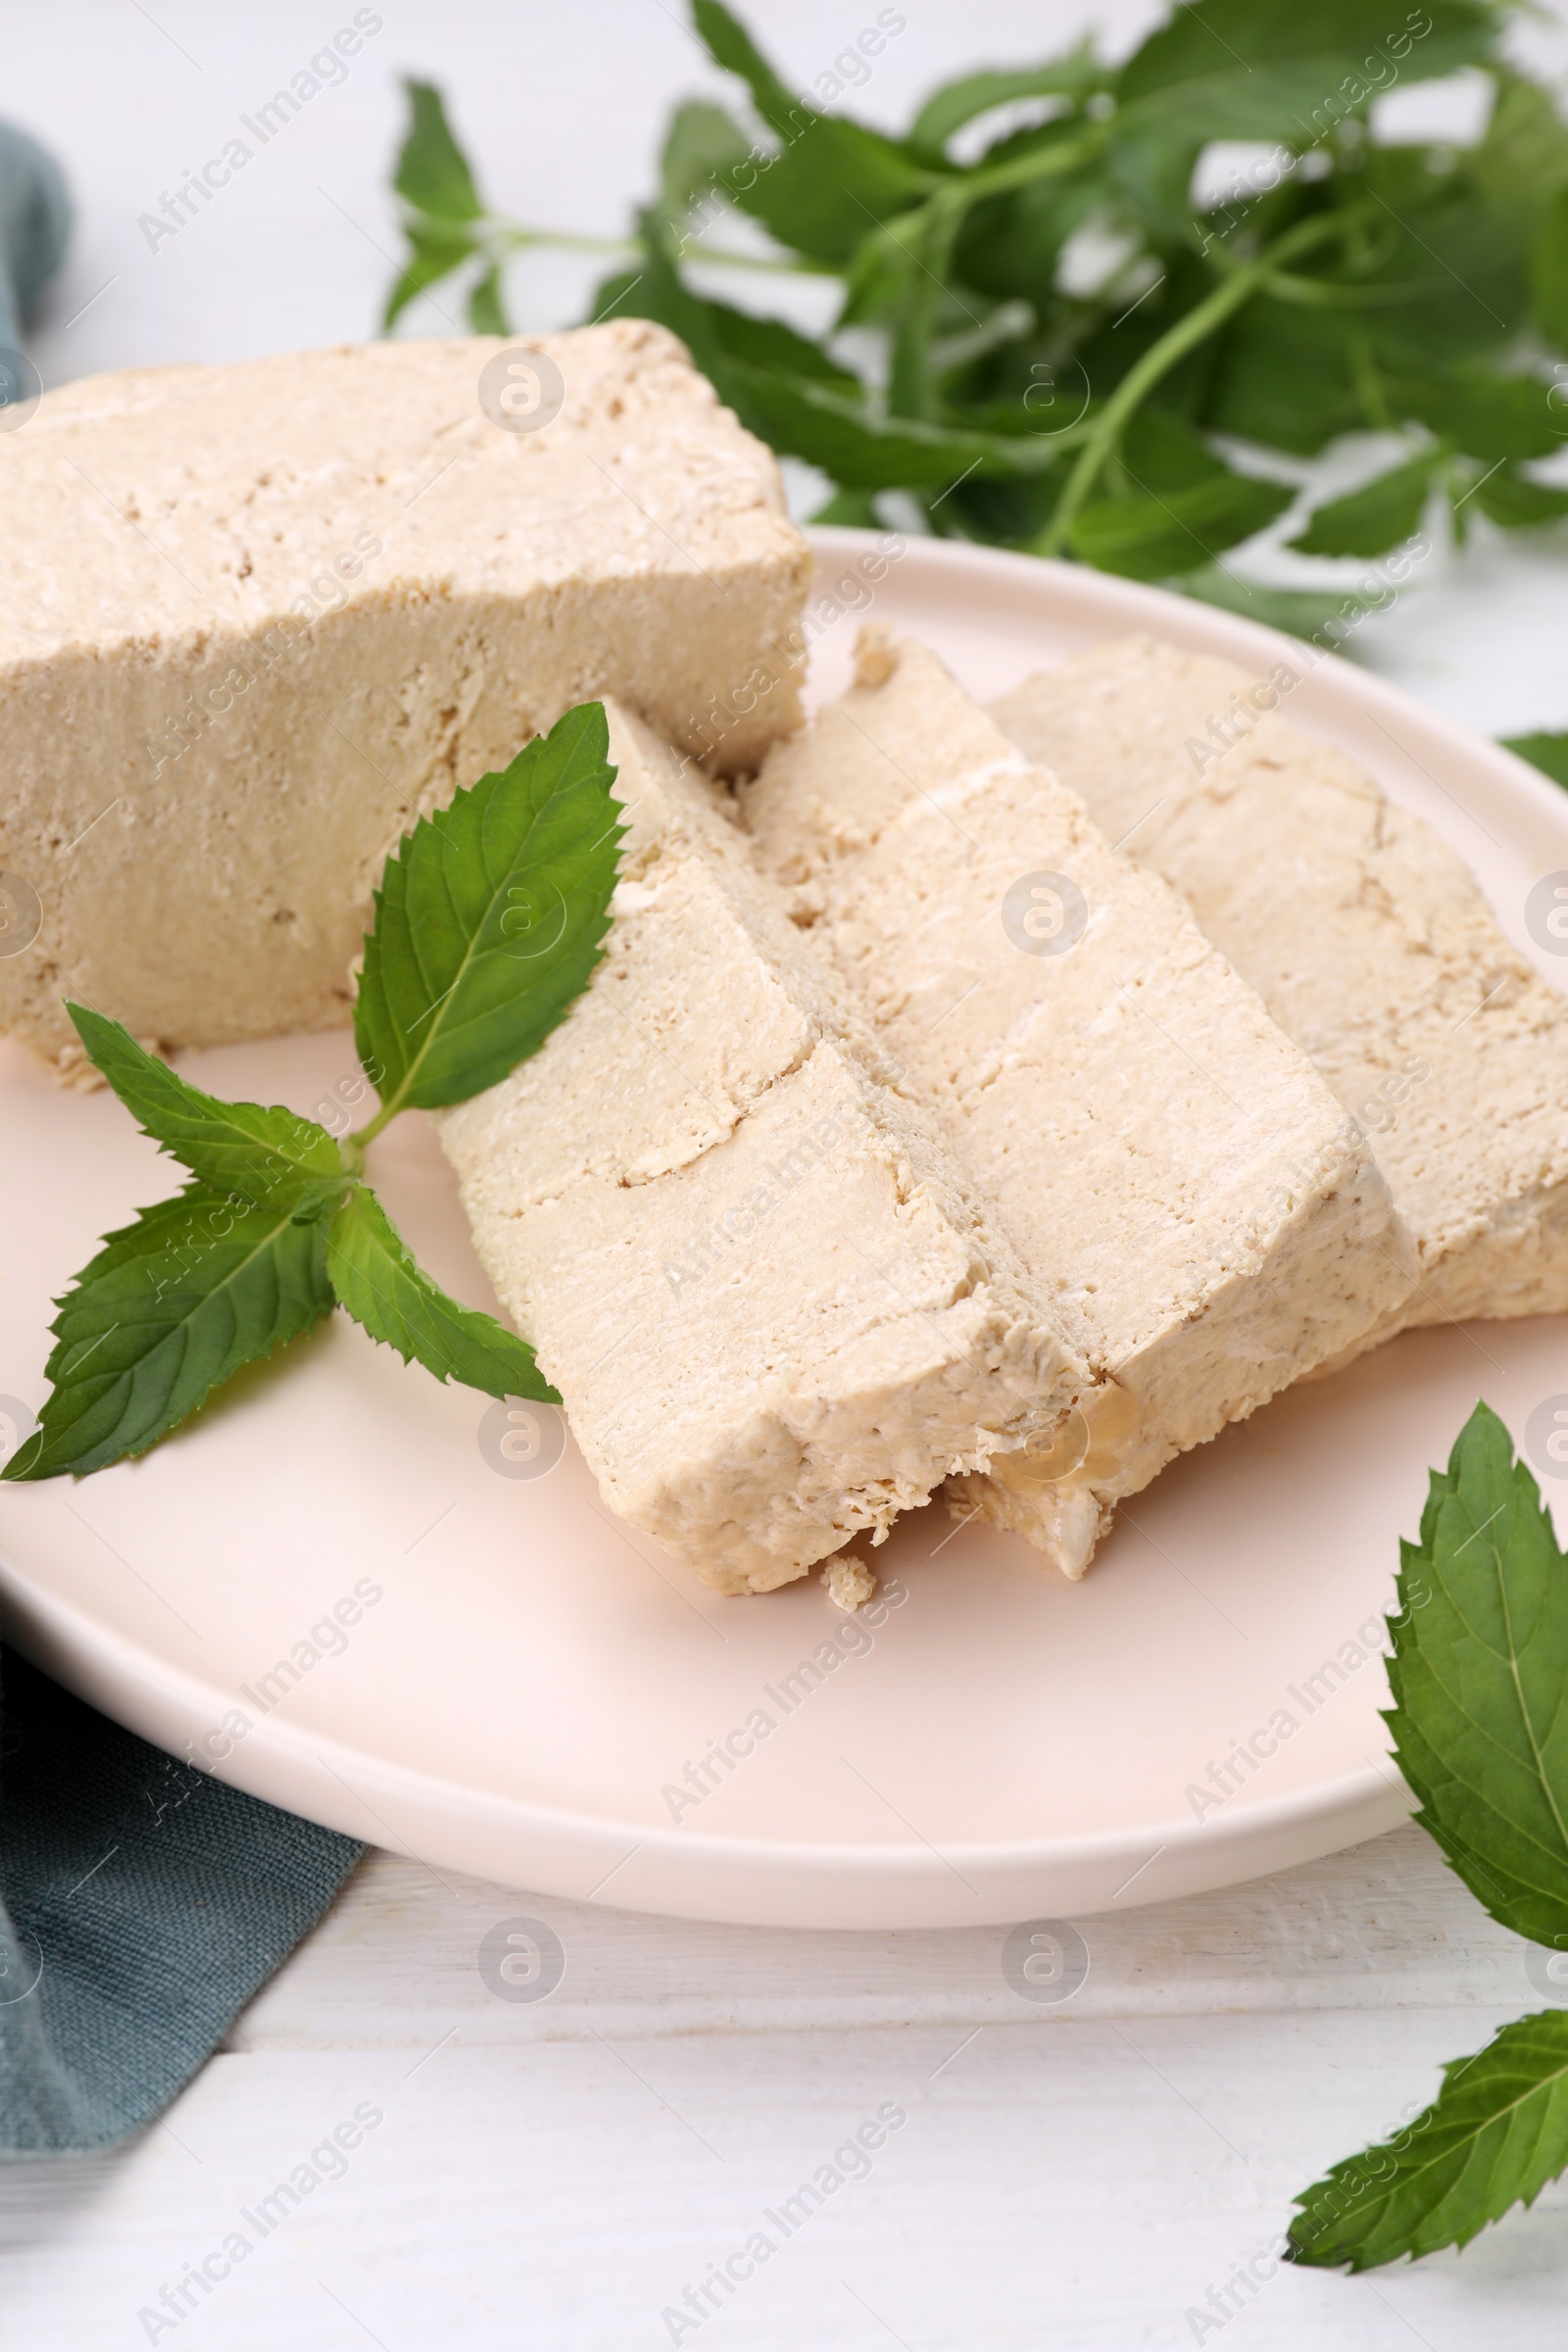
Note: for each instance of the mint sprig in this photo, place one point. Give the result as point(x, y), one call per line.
point(1353, 277)
point(488, 924)
point(1480, 1723)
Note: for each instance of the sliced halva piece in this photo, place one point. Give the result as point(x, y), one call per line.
point(1365, 935)
point(776, 1313)
point(1207, 1223)
point(258, 617)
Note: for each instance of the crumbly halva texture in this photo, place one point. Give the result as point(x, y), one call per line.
point(1205, 1223)
point(1368, 938)
point(260, 616)
point(849, 1582)
point(777, 1315)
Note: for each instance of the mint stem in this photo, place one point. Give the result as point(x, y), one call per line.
point(1163, 356)
point(353, 1147)
point(516, 236)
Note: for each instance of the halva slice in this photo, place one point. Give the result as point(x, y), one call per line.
point(259, 617)
point(1207, 1223)
point(775, 1311)
point(1368, 938)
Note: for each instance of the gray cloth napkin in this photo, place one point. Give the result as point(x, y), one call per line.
point(142, 1904)
point(34, 227)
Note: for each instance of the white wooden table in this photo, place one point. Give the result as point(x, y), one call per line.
point(563, 2171)
point(559, 2172)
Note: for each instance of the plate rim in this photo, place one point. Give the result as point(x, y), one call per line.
point(45, 1630)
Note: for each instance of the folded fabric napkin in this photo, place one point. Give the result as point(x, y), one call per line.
point(141, 1902)
point(35, 229)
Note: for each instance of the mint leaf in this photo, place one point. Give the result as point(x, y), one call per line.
point(730, 45)
point(1265, 69)
point(656, 290)
point(373, 1275)
point(268, 1154)
point(829, 184)
point(734, 349)
point(1478, 1671)
point(862, 452)
point(853, 510)
point(1491, 417)
point(1381, 515)
point(1301, 611)
point(831, 177)
point(1285, 377)
point(1159, 132)
point(1074, 76)
point(700, 147)
point(434, 252)
point(1516, 504)
point(488, 921)
point(1456, 269)
point(486, 316)
point(878, 276)
point(1549, 752)
point(1158, 538)
point(771, 343)
point(1548, 272)
point(1495, 2136)
point(1522, 161)
point(1330, 39)
point(716, 332)
point(1010, 245)
point(432, 174)
point(170, 1306)
point(1163, 454)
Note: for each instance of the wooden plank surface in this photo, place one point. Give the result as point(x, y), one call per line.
point(560, 2170)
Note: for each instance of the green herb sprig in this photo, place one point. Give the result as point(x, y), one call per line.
point(1480, 1721)
point(488, 924)
point(1136, 423)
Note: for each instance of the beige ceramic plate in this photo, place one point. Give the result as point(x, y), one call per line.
point(350, 1592)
